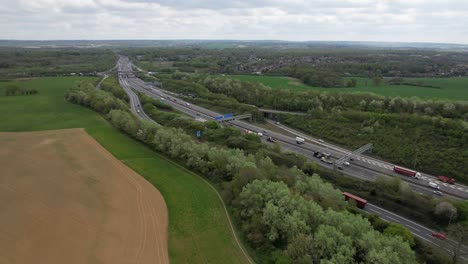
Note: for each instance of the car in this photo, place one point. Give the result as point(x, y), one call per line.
point(277, 123)
point(187, 104)
point(138, 110)
point(433, 185)
point(346, 163)
point(438, 193)
point(321, 140)
point(270, 139)
point(438, 235)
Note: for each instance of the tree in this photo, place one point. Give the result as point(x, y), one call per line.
point(332, 246)
point(445, 211)
point(378, 80)
point(459, 234)
point(351, 83)
point(12, 89)
point(399, 230)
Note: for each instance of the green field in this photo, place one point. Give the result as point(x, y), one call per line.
point(198, 227)
point(455, 88)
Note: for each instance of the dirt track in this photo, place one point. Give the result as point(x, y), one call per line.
point(65, 199)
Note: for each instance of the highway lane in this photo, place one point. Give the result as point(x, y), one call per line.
point(383, 167)
point(196, 111)
point(135, 105)
point(418, 230)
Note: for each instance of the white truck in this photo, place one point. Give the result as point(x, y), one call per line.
point(300, 140)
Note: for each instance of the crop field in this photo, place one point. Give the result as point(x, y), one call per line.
point(454, 88)
point(198, 228)
point(65, 199)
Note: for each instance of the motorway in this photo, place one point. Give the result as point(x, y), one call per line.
point(360, 168)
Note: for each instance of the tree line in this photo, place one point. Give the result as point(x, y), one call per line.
point(13, 89)
point(24, 62)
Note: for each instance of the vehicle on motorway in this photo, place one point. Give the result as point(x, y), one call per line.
point(277, 123)
point(138, 110)
point(346, 163)
point(326, 160)
point(260, 134)
point(270, 139)
point(318, 154)
point(438, 235)
point(187, 104)
point(321, 140)
point(407, 172)
point(433, 185)
point(438, 193)
point(300, 140)
point(361, 203)
point(446, 179)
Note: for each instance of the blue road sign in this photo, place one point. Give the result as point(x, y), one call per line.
point(198, 133)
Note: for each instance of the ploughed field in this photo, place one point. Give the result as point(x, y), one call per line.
point(66, 199)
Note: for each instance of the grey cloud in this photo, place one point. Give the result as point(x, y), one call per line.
point(380, 20)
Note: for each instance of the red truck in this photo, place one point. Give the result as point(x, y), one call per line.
point(361, 203)
point(446, 179)
point(407, 172)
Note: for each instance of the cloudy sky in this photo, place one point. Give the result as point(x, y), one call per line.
point(370, 20)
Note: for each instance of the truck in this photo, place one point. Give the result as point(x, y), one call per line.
point(407, 172)
point(361, 203)
point(300, 140)
point(446, 179)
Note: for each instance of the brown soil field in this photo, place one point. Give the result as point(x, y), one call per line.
point(66, 199)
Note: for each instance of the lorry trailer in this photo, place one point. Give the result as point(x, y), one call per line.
point(361, 203)
point(407, 172)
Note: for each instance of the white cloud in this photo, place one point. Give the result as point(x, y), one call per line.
point(380, 20)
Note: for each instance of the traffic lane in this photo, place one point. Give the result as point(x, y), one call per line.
point(384, 166)
point(418, 230)
point(134, 101)
point(446, 190)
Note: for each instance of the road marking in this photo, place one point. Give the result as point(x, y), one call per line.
point(389, 217)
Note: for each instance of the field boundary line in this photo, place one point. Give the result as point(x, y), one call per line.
point(233, 231)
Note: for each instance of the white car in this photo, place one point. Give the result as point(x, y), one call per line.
point(434, 185)
point(187, 104)
point(346, 163)
point(321, 140)
point(138, 110)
